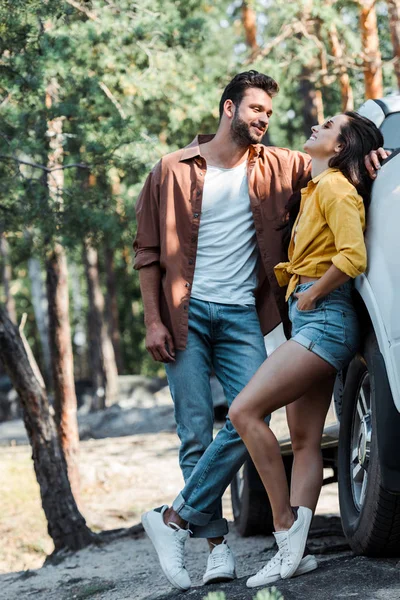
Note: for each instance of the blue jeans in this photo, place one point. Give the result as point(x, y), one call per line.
point(331, 329)
point(227, 339)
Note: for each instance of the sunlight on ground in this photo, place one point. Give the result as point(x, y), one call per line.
point(121, 478)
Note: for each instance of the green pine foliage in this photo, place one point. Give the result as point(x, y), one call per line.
point(135, 81)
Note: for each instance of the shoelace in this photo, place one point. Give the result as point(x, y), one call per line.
point(179, 547)
point(217, 560)
point(284, 550)
point(179, 544)
point(271, 563)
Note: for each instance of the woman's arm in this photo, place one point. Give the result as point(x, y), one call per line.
point(340, 206)
point(331, 280)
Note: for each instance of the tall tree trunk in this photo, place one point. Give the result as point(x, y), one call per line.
point(101, 352)
point(40, 308)
point(394, 22)
point(66, 525)
point(249, 21)
point(80, 340)
point(65, 403)
point(58, 303)
point(344, 80)
point(372, 54)
point(313, 110)
point(6, 278)
point(313, 107)
point(112, 308)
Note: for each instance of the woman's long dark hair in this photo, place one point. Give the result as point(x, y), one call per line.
point(358, 137)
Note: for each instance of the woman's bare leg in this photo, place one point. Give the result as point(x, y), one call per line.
point(306, 419)
point(283, 378)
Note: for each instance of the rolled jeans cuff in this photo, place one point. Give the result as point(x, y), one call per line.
point(188, 513)
point(200, 523)
point(214, 529)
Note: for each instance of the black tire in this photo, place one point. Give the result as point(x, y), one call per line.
point(370, 514)
point(251, 508)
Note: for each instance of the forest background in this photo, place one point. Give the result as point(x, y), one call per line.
point(92, 94)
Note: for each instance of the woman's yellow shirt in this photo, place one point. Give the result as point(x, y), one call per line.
point(329, 229)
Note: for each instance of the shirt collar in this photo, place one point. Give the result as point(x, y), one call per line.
point(318, 178)
point(193, 149)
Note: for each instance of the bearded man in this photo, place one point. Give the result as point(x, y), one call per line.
point(208, 239)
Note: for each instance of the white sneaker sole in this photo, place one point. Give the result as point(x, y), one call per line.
point(218, 578)
point(153, 537)
point(308, 564)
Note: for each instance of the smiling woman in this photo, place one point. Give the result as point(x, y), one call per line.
point(324, 257)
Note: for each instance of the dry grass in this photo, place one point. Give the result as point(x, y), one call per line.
point(23, 527)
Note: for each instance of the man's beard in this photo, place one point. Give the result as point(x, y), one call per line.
point(241, 133)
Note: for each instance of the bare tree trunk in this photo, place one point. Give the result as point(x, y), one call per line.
point(313, 111)
point(313, 107)
point(394, 23)
point(80, 342)
point(112, 308)
point(6, 278)
point(58, 303)
point(372, 54)
point(101, 352)
point(65, 402)
point(249, 21)
point(40, 308)
point(344, 79)
point(66, 525)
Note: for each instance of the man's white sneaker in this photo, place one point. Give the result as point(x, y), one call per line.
point(291, 543)
point(271, 572)
point(220, 565)
point(169, 542)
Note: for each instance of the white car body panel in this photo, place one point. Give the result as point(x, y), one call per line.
point(379, 287)
point(372, 111)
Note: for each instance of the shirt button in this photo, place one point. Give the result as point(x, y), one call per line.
point(185, 307)
point(187, 285)
point(191, 261)
point(196, 215)
point(194, 238)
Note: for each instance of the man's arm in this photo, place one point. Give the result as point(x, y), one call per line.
point(159, 342)
point(300, 166)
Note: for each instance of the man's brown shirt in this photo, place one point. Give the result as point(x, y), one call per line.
point(168, 219)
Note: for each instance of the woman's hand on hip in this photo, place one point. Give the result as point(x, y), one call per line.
point(305, 300)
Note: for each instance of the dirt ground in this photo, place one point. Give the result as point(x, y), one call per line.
point(121, 478)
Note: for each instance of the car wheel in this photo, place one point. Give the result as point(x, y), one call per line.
point(370, 515)
point(251, 508)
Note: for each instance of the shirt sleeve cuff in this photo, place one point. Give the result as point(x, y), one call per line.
point(145, 258)
point(346, 266)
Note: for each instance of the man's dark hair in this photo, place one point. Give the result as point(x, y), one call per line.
point(243, 81)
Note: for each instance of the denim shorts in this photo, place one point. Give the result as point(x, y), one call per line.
point(331, 329)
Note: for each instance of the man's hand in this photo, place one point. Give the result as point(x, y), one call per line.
point(159, 343)
point(373, 161)
point(305, 301)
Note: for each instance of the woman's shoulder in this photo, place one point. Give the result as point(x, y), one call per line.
point(332, 182)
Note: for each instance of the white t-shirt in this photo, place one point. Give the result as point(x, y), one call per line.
point(227, 252)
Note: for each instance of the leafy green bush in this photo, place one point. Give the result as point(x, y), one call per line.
point(266, 594)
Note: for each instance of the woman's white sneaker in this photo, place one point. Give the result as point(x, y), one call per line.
point(271, 572)
point(291, 543)
point(220, 565)
point(169, 542)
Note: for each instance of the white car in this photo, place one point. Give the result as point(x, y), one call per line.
point(361, 440)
